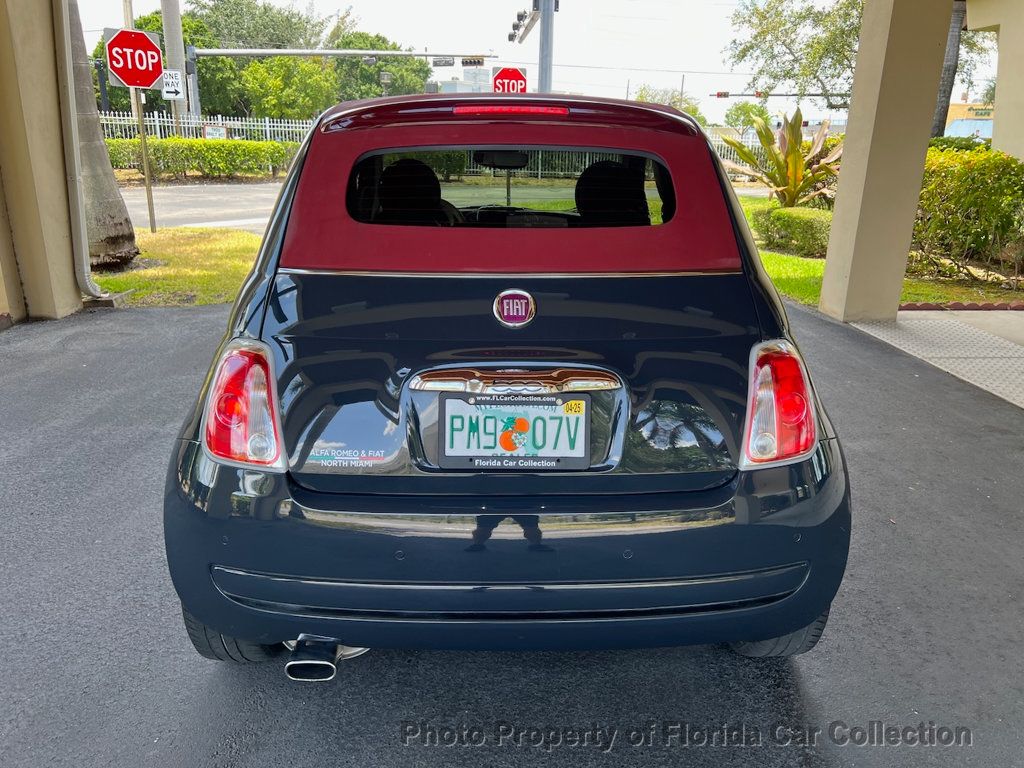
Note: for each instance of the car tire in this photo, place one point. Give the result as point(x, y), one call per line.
point(800, 641)
point(213, 645)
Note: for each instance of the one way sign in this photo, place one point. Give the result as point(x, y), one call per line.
point(171, 88)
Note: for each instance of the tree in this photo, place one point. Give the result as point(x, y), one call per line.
point(218, 77)
point(810, 46)
point(988, 96)
point(259, 24)
point(950, 64)
point(741, 115)
point(680, 100)
point(801, 44)
point(289, 87)
point(360, 80)
point(110, 232)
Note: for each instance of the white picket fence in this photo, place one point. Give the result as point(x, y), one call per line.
point(121, 125)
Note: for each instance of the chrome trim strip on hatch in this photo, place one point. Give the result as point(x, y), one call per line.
point(514, 380)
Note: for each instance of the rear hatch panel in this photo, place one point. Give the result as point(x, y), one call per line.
point(350, 347)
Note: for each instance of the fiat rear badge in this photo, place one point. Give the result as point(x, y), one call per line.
point(514, 308)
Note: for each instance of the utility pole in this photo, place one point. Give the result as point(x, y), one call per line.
point(547, 44)
point(129, 23)
point(174, 47)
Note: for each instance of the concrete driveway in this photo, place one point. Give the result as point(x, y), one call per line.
point(97, 669)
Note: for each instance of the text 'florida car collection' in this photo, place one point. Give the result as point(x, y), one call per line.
point(510, 415)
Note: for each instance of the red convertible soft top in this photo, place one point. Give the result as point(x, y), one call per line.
point(321, 233)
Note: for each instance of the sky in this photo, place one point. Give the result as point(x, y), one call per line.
point(602, 47)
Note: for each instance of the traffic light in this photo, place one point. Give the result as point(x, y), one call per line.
point(722, 95)
point(473, 62)
point(761, 94)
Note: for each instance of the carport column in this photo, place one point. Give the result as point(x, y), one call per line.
point(34, 185)
point(1007, 18)
point(898, 66)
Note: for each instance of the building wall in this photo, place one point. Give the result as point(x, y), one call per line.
point(1005, 17)
point(36, 262)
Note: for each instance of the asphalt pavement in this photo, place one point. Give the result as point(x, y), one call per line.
point(248, 206)
point(97, 670)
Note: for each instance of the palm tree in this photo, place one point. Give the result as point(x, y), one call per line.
point(950, 63)
point(111, 235)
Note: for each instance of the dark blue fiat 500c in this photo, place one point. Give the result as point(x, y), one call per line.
point(507, 374)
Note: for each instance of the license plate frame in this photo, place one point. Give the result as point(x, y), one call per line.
point(496, 459)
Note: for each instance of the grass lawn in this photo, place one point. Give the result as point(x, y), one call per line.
point(185, 265)
point(180, 266)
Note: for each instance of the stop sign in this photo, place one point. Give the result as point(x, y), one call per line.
point(134, 58)
point(508, 80)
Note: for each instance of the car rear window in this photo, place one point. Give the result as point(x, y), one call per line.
point(652, 200)
point(510, 187)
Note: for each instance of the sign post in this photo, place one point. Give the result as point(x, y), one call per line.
point(134, 61)
point(508, 80)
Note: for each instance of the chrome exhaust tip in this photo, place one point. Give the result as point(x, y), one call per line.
point(315, 659)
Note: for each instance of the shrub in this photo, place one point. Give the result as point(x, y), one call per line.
point(794, 175)
point(972, 205)
point(803, 231)
point(959, 143)
point(212, 158)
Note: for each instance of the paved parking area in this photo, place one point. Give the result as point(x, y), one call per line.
point(985, 348)
point(97, 670)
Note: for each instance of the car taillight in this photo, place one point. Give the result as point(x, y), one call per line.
point(509, 109)
point(781, 423)
point(241, 424)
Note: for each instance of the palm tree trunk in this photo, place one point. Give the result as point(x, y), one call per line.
point(110, 231)
point(949, 66)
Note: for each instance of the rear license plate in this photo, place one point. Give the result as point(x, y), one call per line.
point(524, 432)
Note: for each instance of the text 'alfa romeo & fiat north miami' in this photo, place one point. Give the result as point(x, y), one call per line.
point(558, 407)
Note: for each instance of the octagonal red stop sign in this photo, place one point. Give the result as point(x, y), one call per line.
point(508, 80)
point(134, 58)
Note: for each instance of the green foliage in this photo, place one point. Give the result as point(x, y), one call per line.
point(795, 174)
point(259, 24)
point(988, 96)
point(810, 46)
point(803, 231)
point(684, 102)
point(211, 158)
point(959, 143)
point(972, 206)
point(359, 80)
point(803, 45)
point(741, 115)
point(289, 87)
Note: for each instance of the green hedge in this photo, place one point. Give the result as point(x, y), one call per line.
point(212, 158)
point(972, 204)
point(959, 143)
point(803, 231)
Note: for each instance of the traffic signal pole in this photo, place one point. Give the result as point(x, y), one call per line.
point(174, 47)
point(547, 44)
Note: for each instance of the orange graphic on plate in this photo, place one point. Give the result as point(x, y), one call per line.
point(514, 435)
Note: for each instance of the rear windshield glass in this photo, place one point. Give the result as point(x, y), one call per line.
point(510, 187)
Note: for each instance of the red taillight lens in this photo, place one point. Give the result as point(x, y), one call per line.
point(241, 417)
point(508, 109)
point(780, 415)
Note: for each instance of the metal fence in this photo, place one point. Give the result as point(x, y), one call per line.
point(545, 164)
point(121, 125)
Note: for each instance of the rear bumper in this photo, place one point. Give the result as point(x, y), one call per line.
point(755, 559)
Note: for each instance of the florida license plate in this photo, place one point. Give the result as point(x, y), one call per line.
point(524, 432)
